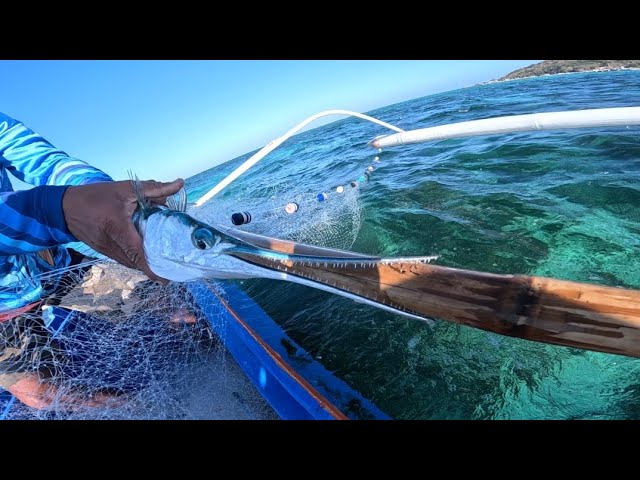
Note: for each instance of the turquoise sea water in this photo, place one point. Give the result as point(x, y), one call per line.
point(563, 204)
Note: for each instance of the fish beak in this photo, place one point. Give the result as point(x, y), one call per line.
point(260, 249)
point(363, 278)
point(219, 252)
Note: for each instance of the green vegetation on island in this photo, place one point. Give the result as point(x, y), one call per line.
point(553, 67)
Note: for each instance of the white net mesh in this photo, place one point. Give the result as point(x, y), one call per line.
point(133, 349)
point(334, 222)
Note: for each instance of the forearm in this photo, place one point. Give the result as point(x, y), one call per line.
point(32, 220)
point(34, 160)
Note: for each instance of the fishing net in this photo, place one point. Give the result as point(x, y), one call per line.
point(308, 194)
point(329, 223)
point(122, 347)
point(132, 349)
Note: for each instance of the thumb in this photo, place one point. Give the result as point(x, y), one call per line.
point(153, 189)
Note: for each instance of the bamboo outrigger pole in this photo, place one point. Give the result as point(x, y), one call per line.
point(572, 314)
point(591, 317)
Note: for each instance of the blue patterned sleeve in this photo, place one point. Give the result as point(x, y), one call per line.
point(33, 160)
point(32, 220)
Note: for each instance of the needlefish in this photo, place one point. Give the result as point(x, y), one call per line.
point(181, 248)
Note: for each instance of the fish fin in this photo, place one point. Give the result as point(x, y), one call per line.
point(143, 203)
point(178, 201)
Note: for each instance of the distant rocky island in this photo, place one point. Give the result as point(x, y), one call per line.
point(553, 67)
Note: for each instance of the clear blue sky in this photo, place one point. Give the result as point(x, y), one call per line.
point(167, 119)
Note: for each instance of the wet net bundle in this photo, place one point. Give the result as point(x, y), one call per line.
point(129, 349)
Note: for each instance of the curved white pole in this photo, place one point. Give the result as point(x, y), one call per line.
point(271, 146)
point(599, 117)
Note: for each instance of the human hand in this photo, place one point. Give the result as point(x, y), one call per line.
point(99, 214)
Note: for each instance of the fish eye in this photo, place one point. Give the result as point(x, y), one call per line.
point(204, 239)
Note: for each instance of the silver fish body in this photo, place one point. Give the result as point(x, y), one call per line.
point(180, 248)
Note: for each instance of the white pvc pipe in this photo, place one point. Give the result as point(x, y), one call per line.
point(271, 146)
point(599, 117)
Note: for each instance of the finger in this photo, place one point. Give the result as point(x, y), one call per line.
point(117, 254)
point(158, 200)
point(163, 200)
point(153, 189)
point(131, 244)
point(114, 252)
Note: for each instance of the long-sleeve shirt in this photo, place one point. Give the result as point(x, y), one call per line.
point(33, 220)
